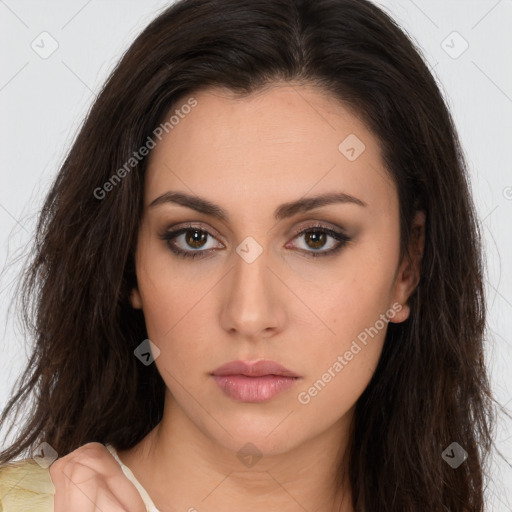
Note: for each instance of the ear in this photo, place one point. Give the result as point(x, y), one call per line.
point(408, 275)
point(135, 299)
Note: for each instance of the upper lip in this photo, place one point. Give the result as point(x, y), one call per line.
point(253, 369)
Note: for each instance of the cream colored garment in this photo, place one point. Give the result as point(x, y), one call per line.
point(128, 472)
point(25, 486)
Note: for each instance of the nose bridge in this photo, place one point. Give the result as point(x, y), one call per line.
point(253, 305)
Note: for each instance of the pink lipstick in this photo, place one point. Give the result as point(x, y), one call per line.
point(256, 381)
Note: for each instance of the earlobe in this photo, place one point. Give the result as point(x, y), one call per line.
point(401, 313)
point(135, 299)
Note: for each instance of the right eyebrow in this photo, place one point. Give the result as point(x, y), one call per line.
point(283, 211)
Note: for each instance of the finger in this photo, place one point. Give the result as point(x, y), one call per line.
point(76, 497)
point(89, 496)
point(107, 502)
point(100, 461)
point(82, 474)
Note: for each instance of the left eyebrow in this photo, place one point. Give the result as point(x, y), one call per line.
point(283, 211)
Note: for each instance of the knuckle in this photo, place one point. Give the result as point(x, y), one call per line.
point(79, 473)
point(90, 449)
point(88, 454)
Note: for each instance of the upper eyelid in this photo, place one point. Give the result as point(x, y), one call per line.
point(199, 225)
point(179, 230)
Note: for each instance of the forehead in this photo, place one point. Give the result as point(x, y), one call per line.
point(284, 141)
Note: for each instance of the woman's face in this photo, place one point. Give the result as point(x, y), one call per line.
point(271, 271)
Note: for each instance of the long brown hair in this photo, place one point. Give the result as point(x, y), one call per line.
point(430, 388)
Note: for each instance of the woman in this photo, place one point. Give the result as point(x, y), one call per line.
point(257, 280)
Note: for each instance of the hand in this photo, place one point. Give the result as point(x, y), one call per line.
point(89, 479)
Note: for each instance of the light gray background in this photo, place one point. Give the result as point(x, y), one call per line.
point(43, 102)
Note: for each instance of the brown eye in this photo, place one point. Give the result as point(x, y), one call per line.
point(191, 242)
point(195, 238)
point(315, 239)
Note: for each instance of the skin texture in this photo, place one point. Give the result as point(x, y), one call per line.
point(249, 156)
point(90, 479)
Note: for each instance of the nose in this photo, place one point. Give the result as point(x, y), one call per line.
point(253, 300)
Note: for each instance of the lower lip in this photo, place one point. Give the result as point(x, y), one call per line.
point(253, 389)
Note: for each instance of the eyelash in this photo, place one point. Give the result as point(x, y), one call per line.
point(341, 238)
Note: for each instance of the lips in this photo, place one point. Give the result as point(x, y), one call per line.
point(257, 381)
point(253, 369)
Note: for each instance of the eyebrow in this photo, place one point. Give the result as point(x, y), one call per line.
point(284, 211)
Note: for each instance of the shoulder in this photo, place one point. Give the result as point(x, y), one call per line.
point(25, 486)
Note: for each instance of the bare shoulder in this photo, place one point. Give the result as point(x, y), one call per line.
point(25, 486)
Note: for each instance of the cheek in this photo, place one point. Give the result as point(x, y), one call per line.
point(354, 293)
point(356, 309)
point(342, 364)
point(171, 289)
point(173, 320)
point(176, 298)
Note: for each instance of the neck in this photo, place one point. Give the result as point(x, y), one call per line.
point(183, 469)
